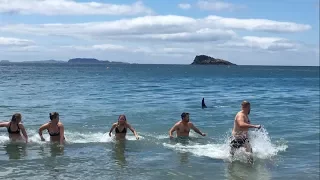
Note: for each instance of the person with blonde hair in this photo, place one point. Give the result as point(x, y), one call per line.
point(15, 128)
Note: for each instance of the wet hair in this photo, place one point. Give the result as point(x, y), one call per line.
point(15, 117)
point(184, 114)
point(53, 115)
point(122, 115)
point(245, 104)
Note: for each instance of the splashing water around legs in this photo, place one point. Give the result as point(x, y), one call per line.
point(262, 148)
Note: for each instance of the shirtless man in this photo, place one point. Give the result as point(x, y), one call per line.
point(183, 127)
point(241, 128)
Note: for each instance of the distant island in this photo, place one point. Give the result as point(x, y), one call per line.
point(207, 60)
point(93, 61)
point(45, 61)
point(4, 61)
point(73, 61)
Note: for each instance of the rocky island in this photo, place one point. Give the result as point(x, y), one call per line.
point(207, 60)
point(4, 61)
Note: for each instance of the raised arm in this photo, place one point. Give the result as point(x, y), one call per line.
point(43, 127)
point(173, 129)
point(196, 129)
point(24, 132)
point(4, 124)
point(242, 124)
point(133, 131)
point(112, 128)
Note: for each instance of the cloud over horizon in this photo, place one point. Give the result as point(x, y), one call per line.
point(171, 35)
point(71, 7)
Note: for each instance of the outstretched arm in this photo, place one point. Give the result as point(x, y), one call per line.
point(196, 129)
point(4, 124)
point(112, 128)
point(133, 130)
point(24, 132)
point(242, 124)
point(173, 129)
point(43, 127)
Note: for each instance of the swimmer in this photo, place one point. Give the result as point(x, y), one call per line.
point(240, 130)
point(55, 129)
point(15, 128)
point(121, 128)
point(183, 127)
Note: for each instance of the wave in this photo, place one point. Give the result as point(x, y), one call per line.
point(71, 137)
point(216, 148)
point(260, 141)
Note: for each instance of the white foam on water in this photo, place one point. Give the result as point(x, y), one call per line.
point(4, 138)
point(71, 137)
point(261, 144)
point(216, 151)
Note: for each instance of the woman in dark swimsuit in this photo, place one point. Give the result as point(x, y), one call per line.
point(121, 128)
point(15, 127)
point(55, 129)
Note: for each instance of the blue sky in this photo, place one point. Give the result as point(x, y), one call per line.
point(264, 32)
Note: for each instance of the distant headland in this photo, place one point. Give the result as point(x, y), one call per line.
point(73, 61)
point(93, 61)
point(207, 60)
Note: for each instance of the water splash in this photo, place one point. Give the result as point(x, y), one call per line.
point(72, 137)
point(260, 141)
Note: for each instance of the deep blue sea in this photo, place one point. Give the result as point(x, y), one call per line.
point(89, 98)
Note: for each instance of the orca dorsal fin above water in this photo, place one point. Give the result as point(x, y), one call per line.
point(203, 104)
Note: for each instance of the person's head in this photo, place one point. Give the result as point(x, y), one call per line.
point(185, 117)
point(122, 119)
point(54, 117)
point(245, 106)
point(16, 118)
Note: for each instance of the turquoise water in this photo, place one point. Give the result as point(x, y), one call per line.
point(89, 98)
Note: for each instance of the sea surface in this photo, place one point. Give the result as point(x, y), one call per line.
point(89, 98)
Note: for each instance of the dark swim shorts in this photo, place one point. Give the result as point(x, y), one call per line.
point(239, 142)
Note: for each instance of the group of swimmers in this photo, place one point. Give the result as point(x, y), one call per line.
point(182, 128)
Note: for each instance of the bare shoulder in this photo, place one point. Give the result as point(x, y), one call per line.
point(60, 124)
point(178, 123)
point(190, 124)
point(20, 125)
point(240, 116)
point(128, 125)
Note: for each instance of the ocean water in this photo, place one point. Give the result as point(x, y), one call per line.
point(89, 98)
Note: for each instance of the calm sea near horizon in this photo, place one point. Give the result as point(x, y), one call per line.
point(89, 98)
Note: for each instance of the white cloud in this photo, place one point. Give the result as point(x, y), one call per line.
point(165, 28)
point(8, 41)
point(263, 43)
point(100, 47)
point(184, 6)
point(202, 35)
point(213, 5)
point(71, 7)
point(257, 24)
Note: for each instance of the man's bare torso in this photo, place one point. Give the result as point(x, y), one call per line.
point(237, 130)
point(183, 129)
